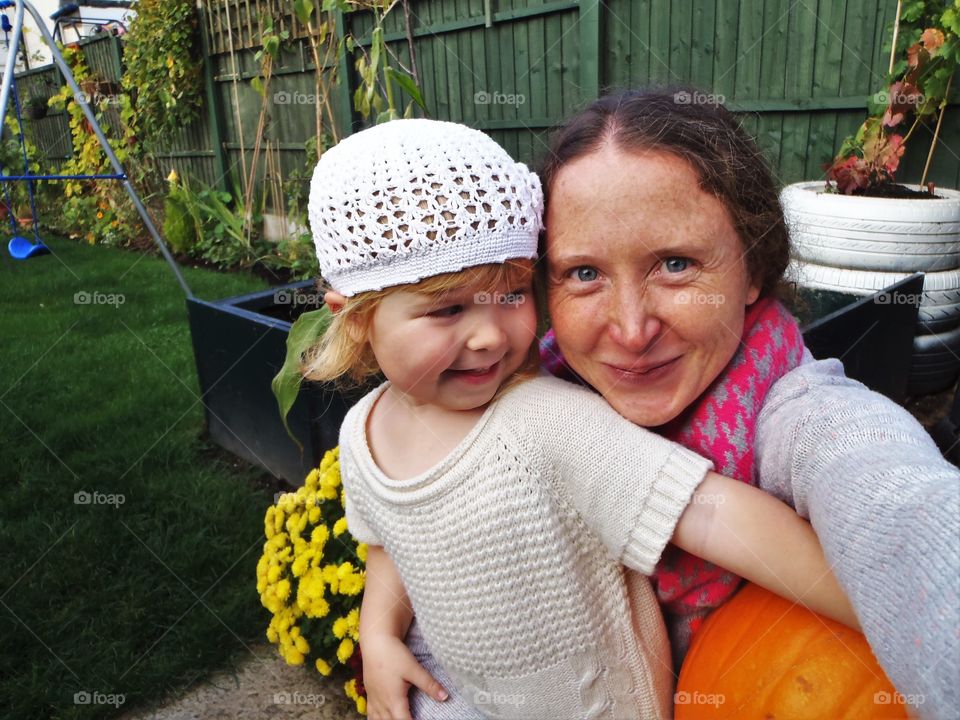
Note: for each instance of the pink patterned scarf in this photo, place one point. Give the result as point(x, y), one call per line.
point(720, 425)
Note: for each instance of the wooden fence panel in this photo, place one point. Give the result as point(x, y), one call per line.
point(798, 74)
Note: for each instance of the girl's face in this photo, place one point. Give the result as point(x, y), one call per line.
point(648, 281)
point(456, 349)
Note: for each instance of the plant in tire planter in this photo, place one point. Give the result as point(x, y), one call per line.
point(862, 232)
point(925, 34)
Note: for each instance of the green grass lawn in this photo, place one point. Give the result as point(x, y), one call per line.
point(114, 598)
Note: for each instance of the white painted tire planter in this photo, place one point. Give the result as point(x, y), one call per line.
point(939, 306)
point(865, 233)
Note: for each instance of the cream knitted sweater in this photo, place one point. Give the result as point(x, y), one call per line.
point(511, 551)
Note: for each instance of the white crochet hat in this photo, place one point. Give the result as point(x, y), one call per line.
point(410, 199)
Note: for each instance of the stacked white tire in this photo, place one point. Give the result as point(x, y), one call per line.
point(860, 245)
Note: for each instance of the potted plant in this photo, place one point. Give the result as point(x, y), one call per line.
point(861, 231)
point(23, 214)
point(36, 107)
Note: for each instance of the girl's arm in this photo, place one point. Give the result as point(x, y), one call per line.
point(745, 530)
point(389, 668)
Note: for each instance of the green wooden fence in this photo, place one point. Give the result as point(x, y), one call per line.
point(799, 73)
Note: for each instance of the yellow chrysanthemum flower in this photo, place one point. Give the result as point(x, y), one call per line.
point(320, 535)
point(350, 688)
point(353, 623)
point(345, 650)
point(299, 575)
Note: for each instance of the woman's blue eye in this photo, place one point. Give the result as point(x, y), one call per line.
point(676, 264)
point(586, 274)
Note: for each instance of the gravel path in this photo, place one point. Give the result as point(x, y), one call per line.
point(263, 686)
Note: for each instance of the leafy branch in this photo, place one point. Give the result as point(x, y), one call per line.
point(925, 54)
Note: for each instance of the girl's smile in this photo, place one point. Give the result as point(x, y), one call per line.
point(454, 350)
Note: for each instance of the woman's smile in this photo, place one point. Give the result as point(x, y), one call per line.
point(643, 371)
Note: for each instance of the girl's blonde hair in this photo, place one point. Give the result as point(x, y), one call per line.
point(344, 352)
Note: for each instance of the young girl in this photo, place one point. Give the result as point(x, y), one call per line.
point(504, 503)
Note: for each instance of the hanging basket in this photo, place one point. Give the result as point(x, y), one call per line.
point(36, 111)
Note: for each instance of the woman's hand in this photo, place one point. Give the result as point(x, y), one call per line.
point(389, 669)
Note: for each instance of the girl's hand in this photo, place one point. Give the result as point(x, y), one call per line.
point(389, 669)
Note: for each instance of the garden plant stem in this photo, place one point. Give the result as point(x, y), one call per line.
point(236, 94)
point(936, 132)
point(896, 30)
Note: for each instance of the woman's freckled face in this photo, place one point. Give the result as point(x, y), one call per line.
point(648, 280)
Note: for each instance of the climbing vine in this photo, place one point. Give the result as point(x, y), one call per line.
point(163, 67)
point(97, 211)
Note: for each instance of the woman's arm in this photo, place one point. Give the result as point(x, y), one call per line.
point(389, 668)
point(754, 535)
point(886, 508)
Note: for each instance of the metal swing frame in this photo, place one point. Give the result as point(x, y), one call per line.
point(7, 89)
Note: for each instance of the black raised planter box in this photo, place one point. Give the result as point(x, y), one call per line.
point(239, 344)
point(873, 338)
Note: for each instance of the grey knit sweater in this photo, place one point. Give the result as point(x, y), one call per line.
point(886, 508)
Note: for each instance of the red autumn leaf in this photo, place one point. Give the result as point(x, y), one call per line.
point(892, 120)
point(892, 152)
point(932, 38)
point(913, 55)
point(902, 98)
point(851, 174)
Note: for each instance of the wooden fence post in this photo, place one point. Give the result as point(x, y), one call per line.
point(214, 113)
point(589, 26)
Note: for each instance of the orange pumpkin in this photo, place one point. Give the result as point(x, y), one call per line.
point(760, 656)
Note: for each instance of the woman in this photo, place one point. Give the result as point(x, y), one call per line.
point(665, 248)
